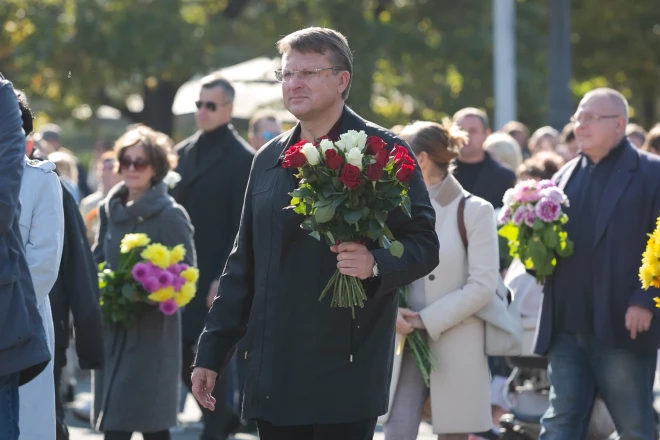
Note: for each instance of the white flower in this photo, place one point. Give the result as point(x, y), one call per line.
point(361, 142)
point(347, 141)
point(354, 157)
point(326, 144)
point(509, 197)
point(311, 153)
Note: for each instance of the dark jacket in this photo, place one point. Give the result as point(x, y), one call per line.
point(626, 214)
point(307, 362)
point(211, 190)
point(76, 290)
point(493, 181)
point(23, 347)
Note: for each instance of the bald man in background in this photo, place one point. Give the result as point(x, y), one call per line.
point(597, 325)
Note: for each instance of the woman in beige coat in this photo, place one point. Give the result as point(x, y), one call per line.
point(443, 304)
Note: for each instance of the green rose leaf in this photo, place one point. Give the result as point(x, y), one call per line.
point(550, 238)
point(405, 205)
point(127, 291)
point(352, 216)
point(396, 249)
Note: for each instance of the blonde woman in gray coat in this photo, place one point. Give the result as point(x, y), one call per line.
point(137, 391)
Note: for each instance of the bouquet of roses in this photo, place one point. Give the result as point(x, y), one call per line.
point(158, 279)
point(533, 220)
point(649, 273)
point(346, 190)
point(420, 349)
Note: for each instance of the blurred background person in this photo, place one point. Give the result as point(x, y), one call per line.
point(568, 147)
point(50, 134)
point(543, 139)
point(443, 303)
point(138, 388)
point(636, 134)
point(504, 149)
point(520, 133)
point(65, 167)
point(42, 229)
point(652, 142)
point(263, 127)
point(100, 147)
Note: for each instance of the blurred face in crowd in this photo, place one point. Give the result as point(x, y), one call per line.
point(636, 140)
point(136, 169)
point(477, 134)
point(265, 130)
point(600, 124)
point(308, 94)
point(105, 172)
point(213, 109)
point(520, 138)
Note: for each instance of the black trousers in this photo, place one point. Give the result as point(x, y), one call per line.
point(360, 430)
point(125, 435)
point(222, 422)
point(61, 430)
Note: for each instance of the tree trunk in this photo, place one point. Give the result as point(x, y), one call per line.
point(157, 112)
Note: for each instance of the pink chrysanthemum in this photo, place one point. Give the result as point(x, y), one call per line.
point(526, 192)
point(530, 216)
point(548, 210)
point(504, 216)
point(543, 184)
point(150, 284)
point(141, 271)
point(519, 215)
point(168, 307)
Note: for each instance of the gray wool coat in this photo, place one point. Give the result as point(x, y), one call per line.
point(138, 388)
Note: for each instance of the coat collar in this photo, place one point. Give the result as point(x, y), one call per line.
point(150, 204)
point(450, 189)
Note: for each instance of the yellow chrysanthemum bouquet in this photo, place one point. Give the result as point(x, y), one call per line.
point(149, 274)
point(649, 273)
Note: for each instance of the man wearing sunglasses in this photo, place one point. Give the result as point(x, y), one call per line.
point(214, 165)
point(264, 127)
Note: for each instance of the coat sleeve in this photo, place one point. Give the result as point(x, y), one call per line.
point(226, 321)
point(98, 250)
point(12, 152)
point(483, 272)
point(43, 250)
point(417, 234)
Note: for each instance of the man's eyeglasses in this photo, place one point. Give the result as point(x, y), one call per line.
point(208, 105)
point(308, 74)
point(588, 118)
point(269, 135)
point(138, 164)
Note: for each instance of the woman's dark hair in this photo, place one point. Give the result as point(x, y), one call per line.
point(541, 166)
point(26, 112)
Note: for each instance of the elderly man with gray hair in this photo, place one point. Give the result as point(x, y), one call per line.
point(597, 324)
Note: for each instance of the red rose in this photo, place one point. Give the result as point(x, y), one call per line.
point(405, 172)
point(375, 144)
point(333, 159)
point(382, 157)
point(402, 157)
point(350, 176)
point(374, 172)
point(293, 157)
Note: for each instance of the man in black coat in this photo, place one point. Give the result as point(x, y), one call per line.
point(313, 372)
point(214, 165)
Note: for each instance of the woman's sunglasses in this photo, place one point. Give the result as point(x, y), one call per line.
point(138, 165)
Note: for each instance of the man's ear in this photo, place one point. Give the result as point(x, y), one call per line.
point(344, 79)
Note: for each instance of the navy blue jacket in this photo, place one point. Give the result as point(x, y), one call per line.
point(23, 347)
point(626, 214)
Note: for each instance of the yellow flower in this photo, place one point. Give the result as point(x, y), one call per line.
point(161, 295)
point(132, 241)
point(645, 276)
point(185, 295)
point(657, 302)
point(157, 254)
point(191, 274)
point(177, 254)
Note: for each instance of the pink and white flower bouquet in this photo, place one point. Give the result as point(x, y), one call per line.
point(533, 221)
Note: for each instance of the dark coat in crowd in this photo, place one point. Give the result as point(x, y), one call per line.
point(627, 212)
point(308, 363)
point(491, 183)
point(138, 388)
point(214, 169)
point(23, 346)
point(76, 290)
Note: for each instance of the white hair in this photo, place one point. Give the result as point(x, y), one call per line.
point(615, 97)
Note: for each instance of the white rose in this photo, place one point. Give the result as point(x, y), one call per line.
point(347, 141)
point(354, 157)
point(326, 144)
point(311, 153)
point(361, 140)
point(509, 197)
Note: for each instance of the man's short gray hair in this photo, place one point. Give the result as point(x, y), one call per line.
point(471, 111)
point(216, 80)
point(619, 101)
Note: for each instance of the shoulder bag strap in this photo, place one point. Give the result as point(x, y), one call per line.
point(461, 222)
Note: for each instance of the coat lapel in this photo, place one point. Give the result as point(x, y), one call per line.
point(563, 178)
point(449, 190)
point(614, 189)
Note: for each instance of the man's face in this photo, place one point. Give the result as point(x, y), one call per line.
point(599, 124)
point(477, 134)
point(520, 138)
point(213, 109)
point(105, 171)
point(310, 93)
point(265, 130)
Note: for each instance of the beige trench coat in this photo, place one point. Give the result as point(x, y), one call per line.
point(456, 289)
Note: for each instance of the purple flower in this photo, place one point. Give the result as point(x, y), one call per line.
point(519, 215)
point(548, 210)
point(543, 184)
point(504, 216)
point(141, 271)
point(526, 192)
point(150, 284)
point(530, 216)
point(165, 278)
point(173, 269)
point(168, 307)
point(178, 283)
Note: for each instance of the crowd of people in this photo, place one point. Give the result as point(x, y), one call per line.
point(256, 318)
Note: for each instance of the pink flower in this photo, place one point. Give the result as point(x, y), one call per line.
point(165, 278)
point(174, 269)
point(543, 184)
point(504, 216)
point(168, 307)
point(141, 271)
point(519, 215)
point(530, 216)
point(150, 284)
point(554, 193)
point(548, 210)
point(178, 283)
point(526, 192)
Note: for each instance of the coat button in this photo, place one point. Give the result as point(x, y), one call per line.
point(267, 397)
point(140, 219)
point(431, 277)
